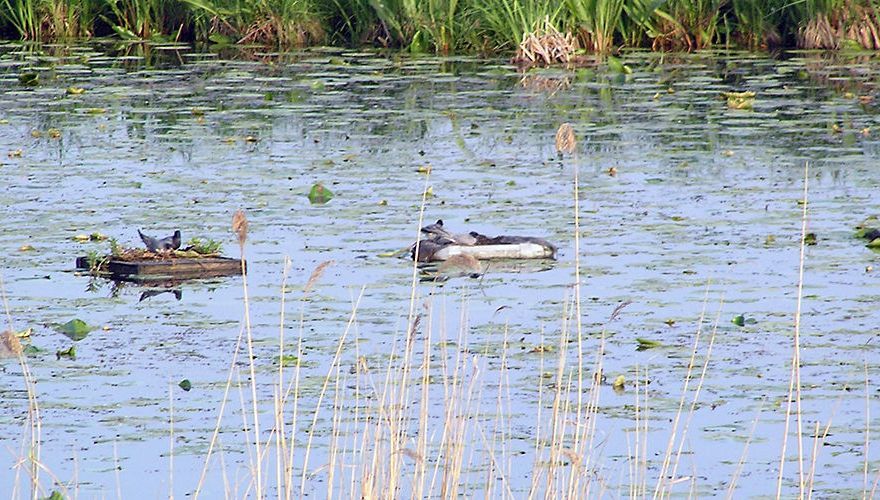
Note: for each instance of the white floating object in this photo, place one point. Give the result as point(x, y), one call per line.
point(527, 250)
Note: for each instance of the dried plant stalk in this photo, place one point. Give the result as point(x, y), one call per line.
point(240, 226)
point(546, 45)
point(316, 274)
point(565, 139)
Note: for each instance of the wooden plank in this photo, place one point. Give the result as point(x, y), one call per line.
point(172, 267)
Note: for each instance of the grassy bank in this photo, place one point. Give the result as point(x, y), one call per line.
point(454, 26)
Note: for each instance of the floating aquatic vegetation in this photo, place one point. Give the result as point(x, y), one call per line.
point(742, 320)
point(185, 384)
point(647, 343)
point(740, 100)
point(85, 238)
point(810, 239)
point(75, 329)
point(319, 195)
point(70, 352)
point(29, 79)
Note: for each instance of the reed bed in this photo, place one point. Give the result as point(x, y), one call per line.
point(454, 26)
point(433, 416)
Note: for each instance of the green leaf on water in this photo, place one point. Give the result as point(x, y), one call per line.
point(810, 239)
point(185, 384)
point(75, 329)
point(54, 496)
point(31, 349)
point(29, 78)
point(741, 320)
point(218, 39)
point(319, 195)
point(289, 360)
point(875, 243)
point(619, 382)
point(70, 352)
point(647, 343)
point(617, 66)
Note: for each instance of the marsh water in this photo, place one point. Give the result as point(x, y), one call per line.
point(685, 205)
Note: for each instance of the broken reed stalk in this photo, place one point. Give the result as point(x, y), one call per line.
point(794, 386)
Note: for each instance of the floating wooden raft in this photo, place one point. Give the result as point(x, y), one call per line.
point(179, 268)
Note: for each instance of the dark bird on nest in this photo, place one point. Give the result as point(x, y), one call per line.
point(156, 244)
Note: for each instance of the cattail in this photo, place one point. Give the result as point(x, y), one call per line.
point(240, 226)
point(565, 140)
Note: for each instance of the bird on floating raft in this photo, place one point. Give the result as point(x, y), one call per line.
point(161, 244)
point(439, 244)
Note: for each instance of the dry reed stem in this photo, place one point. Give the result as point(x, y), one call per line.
point(536, 472)
point(216, 432)
point(794, 387)
point(170, 441)
point(278, 400)
point(667, 456)
point(546, 45)
point(422, 438)
point(731, 487)
point(867, 431)
point(557, 399)
point(240, 228)
point(335, 361)
point(34, 420)
point(696, 397)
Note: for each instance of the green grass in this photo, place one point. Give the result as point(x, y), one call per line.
point(450, 26)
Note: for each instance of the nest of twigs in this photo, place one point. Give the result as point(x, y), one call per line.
point(546, 46)
point(135, 254)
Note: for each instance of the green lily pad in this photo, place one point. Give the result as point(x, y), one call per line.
point(647, 343)
point(810, 239)
point(185, 384)
point(31, 349)
point(29, 78)
point(319, 195)
point(54, 496)
point(617, 66)
point(75, 329)
point(70, 352)
point(875, 243)
point(741, 320)
point(289, 360)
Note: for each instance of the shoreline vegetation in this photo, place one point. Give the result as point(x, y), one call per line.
point(538, 31)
